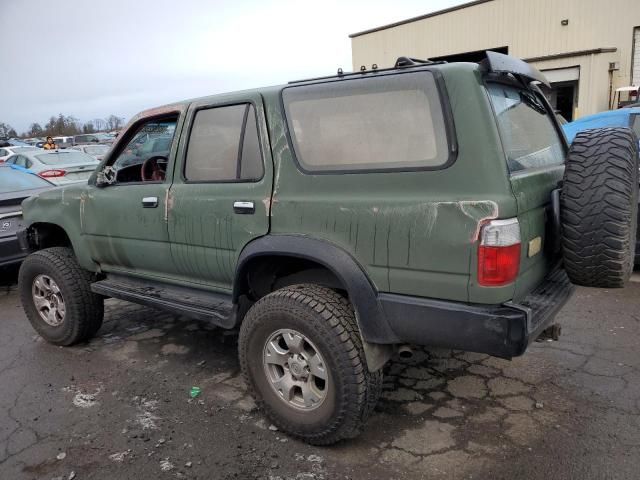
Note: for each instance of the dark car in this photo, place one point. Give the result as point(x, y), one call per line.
point(15, 186)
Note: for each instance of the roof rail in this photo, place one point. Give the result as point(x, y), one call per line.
point(402, 62)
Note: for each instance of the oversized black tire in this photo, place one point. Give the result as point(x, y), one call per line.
point(598, 207)
point(325, 324)
point(57, 298)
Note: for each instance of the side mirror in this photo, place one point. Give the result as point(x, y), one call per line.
point(106, 177)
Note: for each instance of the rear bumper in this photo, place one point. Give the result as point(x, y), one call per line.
point(500, 330)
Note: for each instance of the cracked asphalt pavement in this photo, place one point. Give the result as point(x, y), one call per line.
point(119, 407)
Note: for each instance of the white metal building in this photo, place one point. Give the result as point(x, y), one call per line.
point(586, 48)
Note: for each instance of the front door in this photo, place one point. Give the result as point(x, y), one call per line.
point(219, 200)
point(124, 223)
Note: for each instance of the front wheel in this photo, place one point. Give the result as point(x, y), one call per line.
point(57, 298)
point(302, 356)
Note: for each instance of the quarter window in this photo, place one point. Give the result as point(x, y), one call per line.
point(224, 145)
point(378, 123)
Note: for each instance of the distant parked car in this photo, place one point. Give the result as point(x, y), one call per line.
point(58, 167)
point(63, 142)
point(6, 152)
point(96, 151)
point(85, 139)
point(623, 117)
point(15, 186)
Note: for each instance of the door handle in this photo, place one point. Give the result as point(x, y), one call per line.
point(244, 207)
point(150, 202)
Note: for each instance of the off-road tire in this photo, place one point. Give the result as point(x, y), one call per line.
point(598, 207)
point(84, 309)
point(328, 320)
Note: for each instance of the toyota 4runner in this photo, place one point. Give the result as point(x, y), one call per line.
point(336, 219)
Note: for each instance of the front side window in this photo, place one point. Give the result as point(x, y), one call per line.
point(224, 145)
point(386, 122)
point(146, 155)
point(528, 134)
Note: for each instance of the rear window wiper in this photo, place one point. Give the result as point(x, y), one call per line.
point(532, 100)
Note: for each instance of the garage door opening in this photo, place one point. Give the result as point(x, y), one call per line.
point(563, 95)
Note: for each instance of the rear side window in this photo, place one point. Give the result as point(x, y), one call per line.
point(387, 122)
point(528, 134)
point(224, 145)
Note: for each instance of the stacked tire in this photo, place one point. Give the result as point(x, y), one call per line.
point(599, 207)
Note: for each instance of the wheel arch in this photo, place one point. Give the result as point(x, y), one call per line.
point(360, 290)
point(40, 235)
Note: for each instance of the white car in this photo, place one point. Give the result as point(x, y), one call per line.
point(63, 142)
point(60, 167)
point(6, 152)
point(96, 151)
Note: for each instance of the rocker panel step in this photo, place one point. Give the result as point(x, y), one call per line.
point(201, 304)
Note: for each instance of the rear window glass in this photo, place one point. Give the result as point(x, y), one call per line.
point(96, 150)
point(529, 137)
point(59, 158)
point(14, 181)
point(386, 122)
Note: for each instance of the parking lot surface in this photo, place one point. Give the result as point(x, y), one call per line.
point(120, 406)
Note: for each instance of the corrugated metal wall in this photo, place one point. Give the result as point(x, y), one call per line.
point(530, 28)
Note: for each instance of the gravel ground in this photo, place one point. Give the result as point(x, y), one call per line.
point(119, 407)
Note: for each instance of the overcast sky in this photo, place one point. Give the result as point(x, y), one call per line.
point(90, 59)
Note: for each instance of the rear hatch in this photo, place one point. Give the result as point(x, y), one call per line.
point(535, 151)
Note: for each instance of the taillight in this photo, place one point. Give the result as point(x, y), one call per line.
point(499, 253)
point(56, 172)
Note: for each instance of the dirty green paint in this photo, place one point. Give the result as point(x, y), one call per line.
point(415, 233)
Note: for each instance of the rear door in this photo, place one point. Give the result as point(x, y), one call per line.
point(535, 151)
point(220, 197)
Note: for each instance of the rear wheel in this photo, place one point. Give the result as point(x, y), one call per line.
point(57, 298)
point(599, 206)
point(302, 356)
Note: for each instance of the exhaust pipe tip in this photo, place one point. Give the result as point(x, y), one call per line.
point(405, 352)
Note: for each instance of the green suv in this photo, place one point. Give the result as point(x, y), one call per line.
point(334, 220)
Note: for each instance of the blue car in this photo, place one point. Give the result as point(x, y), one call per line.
point(623, 117)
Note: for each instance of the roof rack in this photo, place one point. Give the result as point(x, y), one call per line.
point(401, 62)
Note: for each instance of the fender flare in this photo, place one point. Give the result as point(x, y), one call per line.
point(370, 316)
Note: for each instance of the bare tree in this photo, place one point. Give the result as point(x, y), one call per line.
point(114, 122)
point(35, 130)
point(99, 124)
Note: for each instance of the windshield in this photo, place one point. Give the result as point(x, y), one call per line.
point(65, 158)
point(96, 150)
point(528, 134)
point(14, 181)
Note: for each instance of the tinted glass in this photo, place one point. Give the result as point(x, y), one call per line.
point(387, 122)
point(251, 167)
point(96, 149)
point(152, 139)
point(214, 145)
point(65, 158)
point(528, 134)
point(13, 180)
